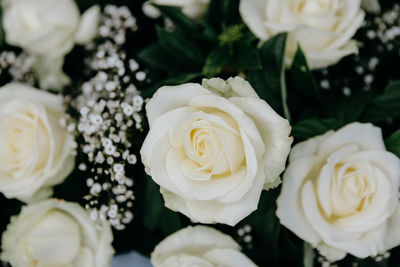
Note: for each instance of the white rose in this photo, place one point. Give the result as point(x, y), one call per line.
point(213, 151)
point(340, 193)
point(199, 246)
point(56, 233)
point(36, 152)
point(323, 28)
point(48, 29)
point(191, 8)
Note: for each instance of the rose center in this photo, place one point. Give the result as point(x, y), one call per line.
point(314, 7)
point(213, 144)
point(355, 187)
point(18, 138)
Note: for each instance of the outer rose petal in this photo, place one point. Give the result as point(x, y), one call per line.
point(392, 235)
point(252, 14)
point(290, 210)
point(309, 147)
point(212, 211)
point(275, 133)
point(88, 25)
point(168, 98)
point(197, 239)
point(236, 86)
point(322, 59)
point(348, 33)
point(228, 257)
point(367, 136)
point(156, 146)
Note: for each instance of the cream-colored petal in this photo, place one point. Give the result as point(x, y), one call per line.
point(290, 211)
point(168, 98)
point(87, 29)
point(275, 132)
point(252, 13)
point(228, 257)
point(367, 136)
point(191, 240)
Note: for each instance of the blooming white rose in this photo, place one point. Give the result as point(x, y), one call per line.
point(213, 151)
point(36, 152)
point(340, 193)
point(48, 30)
point(56, 233)
point(191, 8)
point(323, 28)
point(199, 246)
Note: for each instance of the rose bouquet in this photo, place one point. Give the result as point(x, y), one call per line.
point(200, 132)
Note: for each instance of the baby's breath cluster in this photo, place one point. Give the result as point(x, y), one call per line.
point(244, 236)
point(16, 67)
point(109, 106)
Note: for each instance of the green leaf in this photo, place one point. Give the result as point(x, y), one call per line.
point(155, 56)
point(266, 228)
point(182, 78)
point(222, 13)
point(178, 18)
point(303, 81)
point(230, 12)
point(214, 15)
point(269, 82)
point(154, 205)
point(312, 127)
point(373, 263)
point(155, 216)
point(384, 106)
point(393, 143)
point(351, 108)
point(180, 48)
point(247, 57)
point(170, 222)
point(216, 61)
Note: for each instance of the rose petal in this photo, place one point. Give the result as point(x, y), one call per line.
point(168, 98)
point(290, 210)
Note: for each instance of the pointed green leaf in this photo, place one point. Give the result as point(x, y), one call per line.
point(181, 49)
point(385, 106)
point(393, 143)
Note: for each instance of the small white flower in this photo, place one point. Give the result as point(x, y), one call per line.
point(118, 168)
point(132, 159)
point(128, 110)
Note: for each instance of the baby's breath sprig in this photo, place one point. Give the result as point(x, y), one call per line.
point(109, 108)
point(16, 67)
